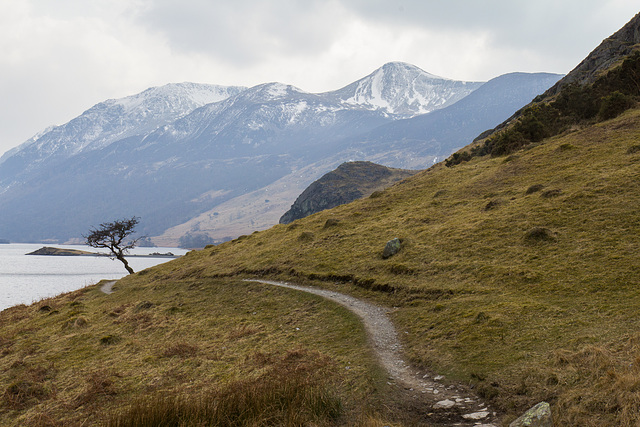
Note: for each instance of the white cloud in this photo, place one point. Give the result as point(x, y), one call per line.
point(59, 58)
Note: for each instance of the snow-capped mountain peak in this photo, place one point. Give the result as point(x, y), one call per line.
point(404, 90)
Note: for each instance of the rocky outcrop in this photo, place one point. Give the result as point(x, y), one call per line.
point(538, 416)
point(349, 182)
point(610, 51)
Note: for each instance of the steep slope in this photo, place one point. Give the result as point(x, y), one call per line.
point(601, 87)
point(618, 45)
point(520, 275)
point(348, 182)
point(404, 90)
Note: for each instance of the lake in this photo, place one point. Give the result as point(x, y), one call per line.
point(26, 279)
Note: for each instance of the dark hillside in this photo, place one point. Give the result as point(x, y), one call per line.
point(348, 182)
point(600, 88)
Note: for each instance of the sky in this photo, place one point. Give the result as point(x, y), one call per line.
point(59, 58)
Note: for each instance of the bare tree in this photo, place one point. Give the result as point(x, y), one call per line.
point(111, 235)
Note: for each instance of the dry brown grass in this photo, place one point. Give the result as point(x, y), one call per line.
point(292, 390)
point(551, 320)
point(186, 341)
point(504, 263)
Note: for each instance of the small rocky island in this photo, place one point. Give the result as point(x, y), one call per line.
point(51, 251)
point(48, 250)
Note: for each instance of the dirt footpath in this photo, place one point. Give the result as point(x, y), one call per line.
point(442, 404)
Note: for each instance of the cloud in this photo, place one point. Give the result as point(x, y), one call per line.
point(59, 58)
point(246, 32)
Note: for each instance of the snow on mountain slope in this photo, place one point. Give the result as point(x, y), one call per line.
point(265, 119)
point(116, 119)
point(403, 90)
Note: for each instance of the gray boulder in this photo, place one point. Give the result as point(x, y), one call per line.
point(391, 248)
point(538, 416)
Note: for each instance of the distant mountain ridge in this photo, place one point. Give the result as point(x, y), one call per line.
point(236, 164)
point(110, 121)
point(434, 136)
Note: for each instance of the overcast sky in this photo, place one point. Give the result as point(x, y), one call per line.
point(58, 58)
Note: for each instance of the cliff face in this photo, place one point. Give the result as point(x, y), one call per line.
point(611, 50)
point(348, 182)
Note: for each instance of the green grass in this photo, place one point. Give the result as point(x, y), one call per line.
point(528, 295)
point(292, 357)
point(481, 296)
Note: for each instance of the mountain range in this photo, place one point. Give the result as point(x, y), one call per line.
point(212, 162)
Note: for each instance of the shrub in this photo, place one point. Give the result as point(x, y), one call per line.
point(331, 222)
point(633, 149)
point(305, 236)
point(180, 349)
point(98, 383)
point(457, 158)
point(24, 393)
point(551, 193)
point(614, 104)
point(493, 204)
point(400, 269)
point(109, 339)
point(534, 188)
point(539, 234)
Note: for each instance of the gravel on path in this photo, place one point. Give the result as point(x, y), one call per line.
point(107, 287)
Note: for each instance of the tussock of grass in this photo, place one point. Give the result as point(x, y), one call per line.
point(291, 391)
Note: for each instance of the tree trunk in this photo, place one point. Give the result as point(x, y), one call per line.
point(125, 262)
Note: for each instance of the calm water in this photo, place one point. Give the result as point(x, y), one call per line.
point(26, 279)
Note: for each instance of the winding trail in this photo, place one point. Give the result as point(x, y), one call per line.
point(453, 403)
point(443, 404)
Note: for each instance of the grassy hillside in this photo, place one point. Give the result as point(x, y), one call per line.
point(517, 274)
point(183, 351)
